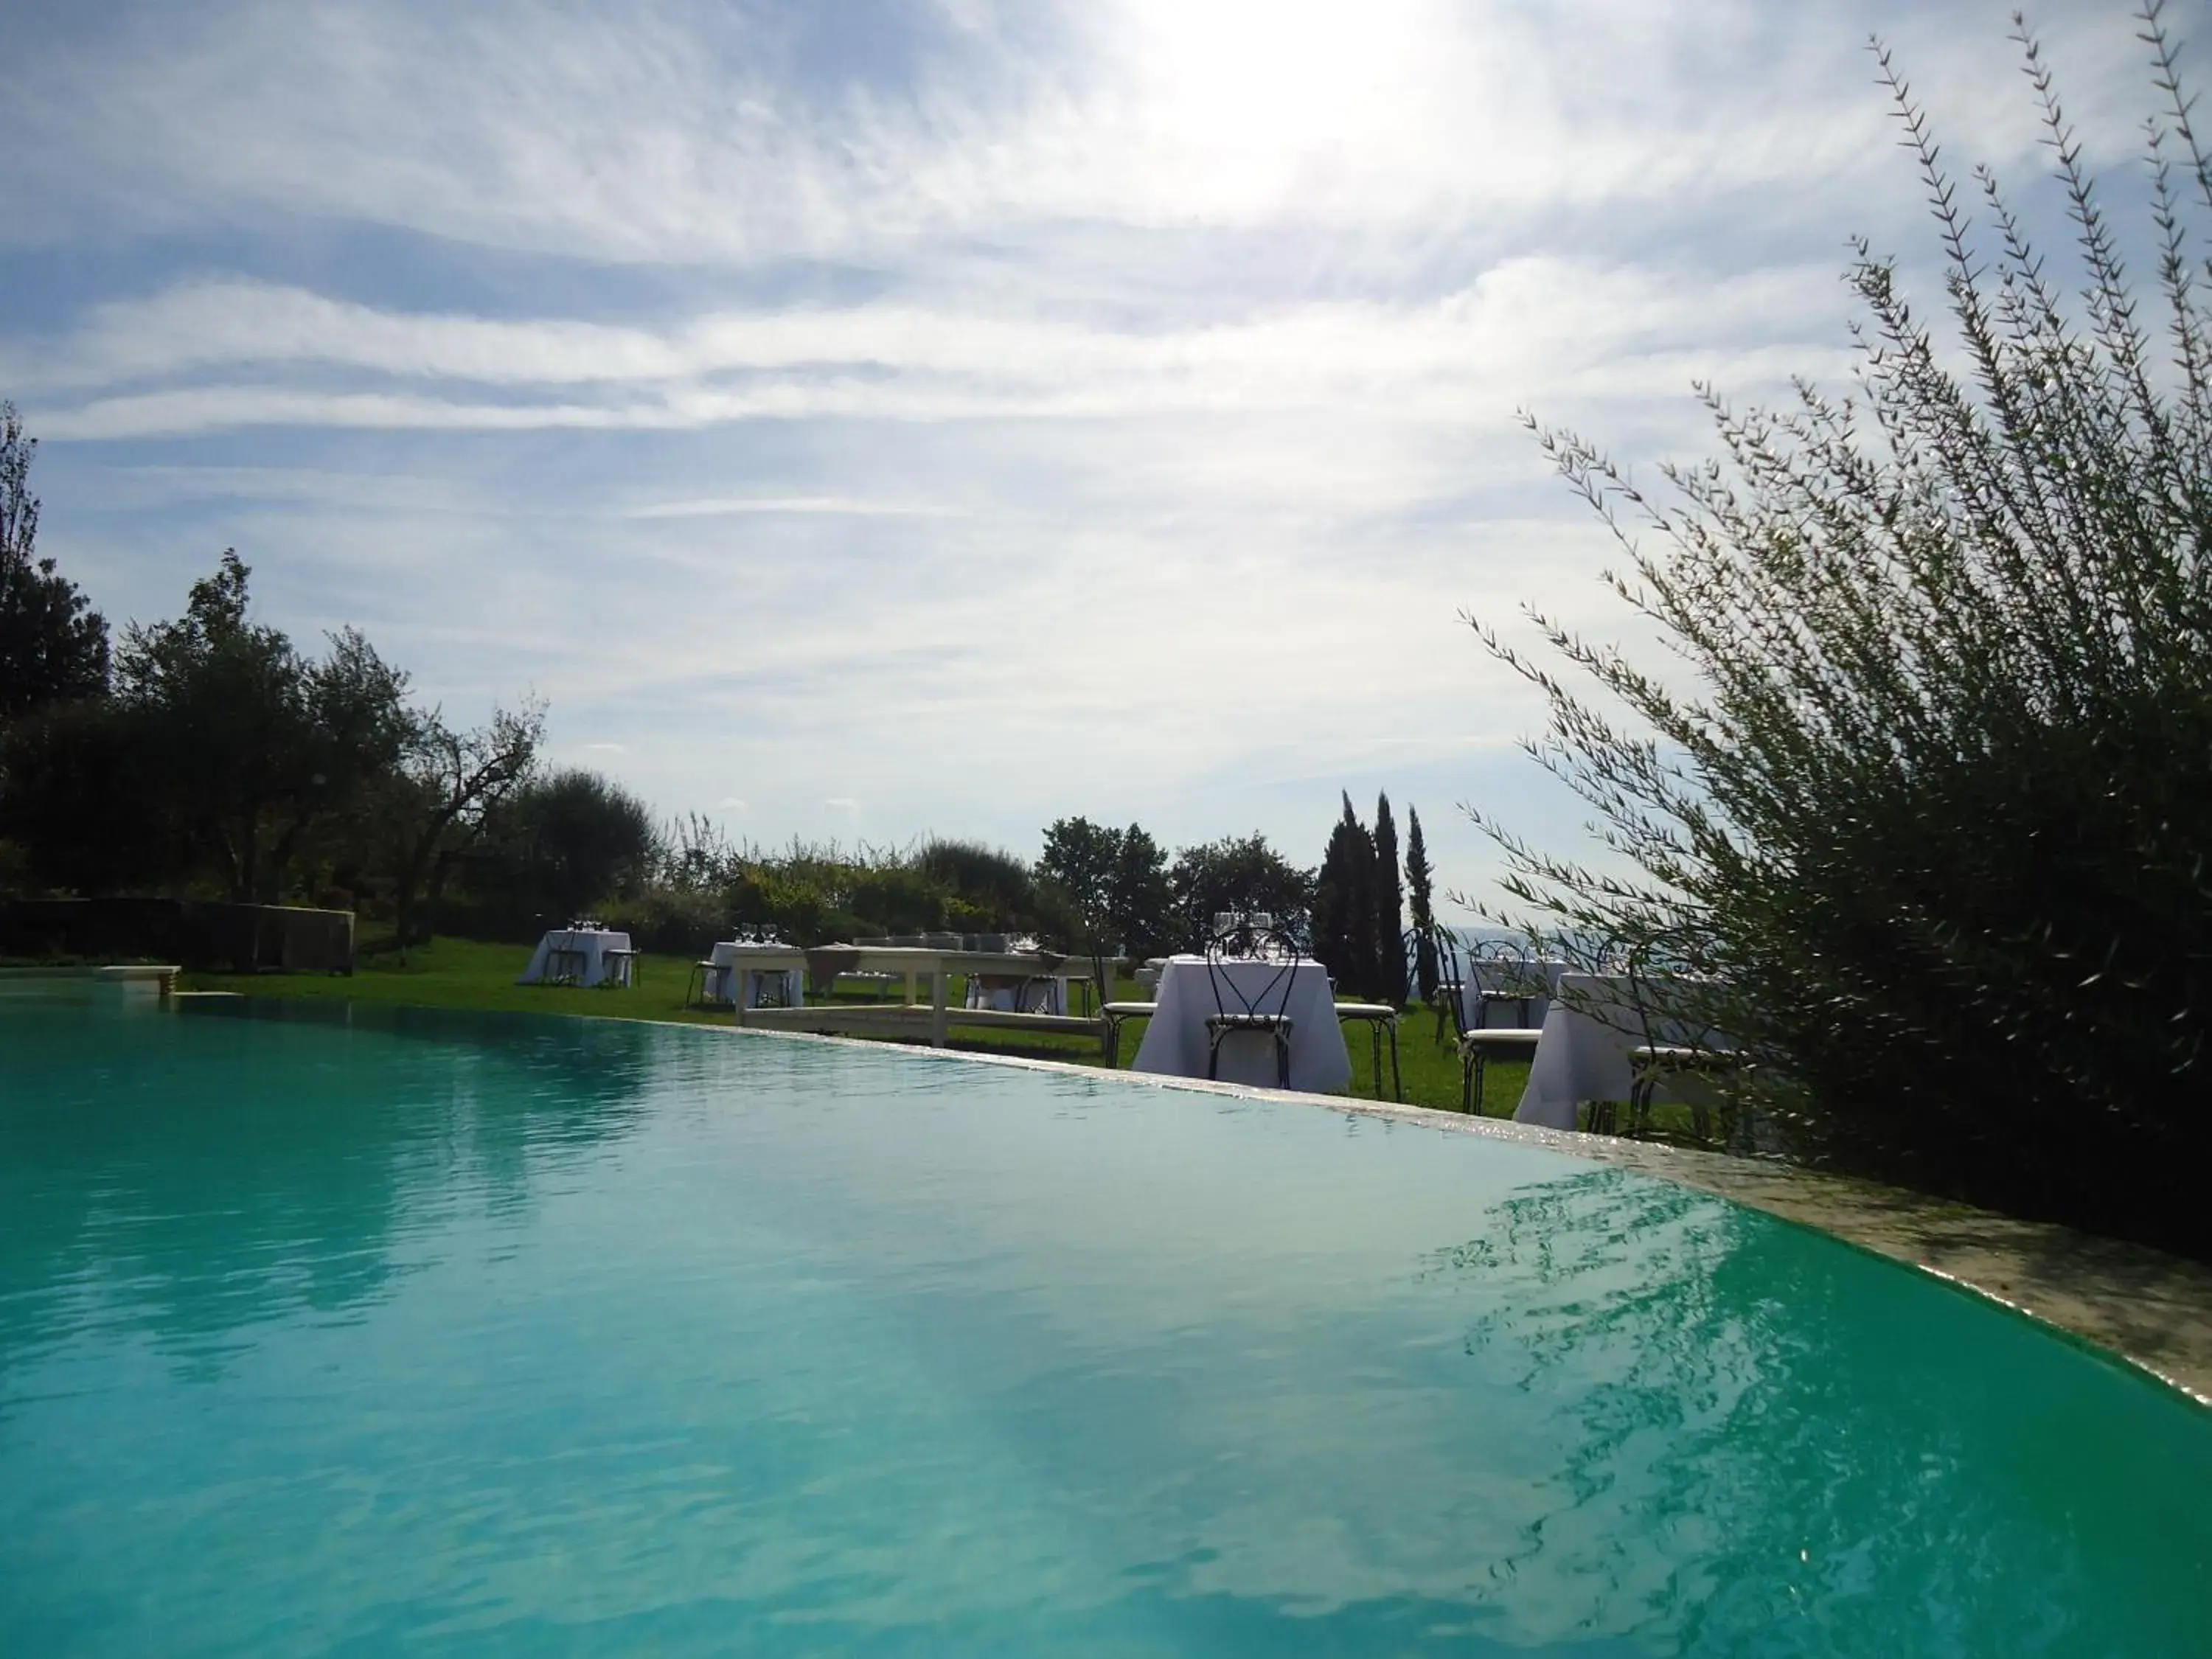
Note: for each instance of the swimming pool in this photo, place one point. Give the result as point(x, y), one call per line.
point(503, 1334)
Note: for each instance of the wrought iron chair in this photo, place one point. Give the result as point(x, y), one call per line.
point(1674, 1043)
point(1498, 973)
point(1451, 990)
point(702, 971)
point(1503, 974)
point(1485, 1044)
point(1115, 1016)
point(1246, 1002)
point(1382, 1020)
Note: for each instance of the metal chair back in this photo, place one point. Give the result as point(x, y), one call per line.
point(1451, 987)
point(1505, 974)
point(1244, 939)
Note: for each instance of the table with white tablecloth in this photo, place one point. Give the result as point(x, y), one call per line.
point(760, 975)
point(1538, 978)
point(1593, 1022)
point(594, 955)
point(1176, 1041)
point(1019, 993)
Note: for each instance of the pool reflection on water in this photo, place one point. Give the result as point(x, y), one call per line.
point(506, 1334)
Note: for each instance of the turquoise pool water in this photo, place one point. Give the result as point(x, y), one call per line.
point(502, 1335)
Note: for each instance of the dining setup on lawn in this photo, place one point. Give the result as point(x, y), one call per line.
point(1009, 983)
point(1251, 1006)
point(1594, 1038)
point(583, 953)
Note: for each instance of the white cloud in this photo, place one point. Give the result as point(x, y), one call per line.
point(1523, 327)
point(740, 506)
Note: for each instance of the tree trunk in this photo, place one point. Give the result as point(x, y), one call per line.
point(280, 861)
point(238, 866)
point(407, 884)
point(413, 867)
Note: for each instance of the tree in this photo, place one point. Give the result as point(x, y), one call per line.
point(1079, 862)
point(245, 746)
point(1390, 910)
point(53, 645)
point(445, 791)
point(1345, 907)
point(1141, 901)
point(1926, 832)
point(1420, 885)
point(1237, 874)
point(1079, 859)
point(579, 838)
point(991, 888)
point(74, 796)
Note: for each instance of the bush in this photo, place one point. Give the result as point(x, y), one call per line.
point(993, 890)
point(1933, 814)
point(897, 899)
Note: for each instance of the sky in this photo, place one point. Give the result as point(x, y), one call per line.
point(863, 420)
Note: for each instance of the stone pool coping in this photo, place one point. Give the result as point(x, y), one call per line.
point(159, 977)
point(2144, 1307)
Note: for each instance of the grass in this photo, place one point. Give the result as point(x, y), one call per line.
point(451, 973)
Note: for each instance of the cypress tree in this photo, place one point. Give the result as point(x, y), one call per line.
point(1390, 910)
point(1420, 882)
point(1344, 906)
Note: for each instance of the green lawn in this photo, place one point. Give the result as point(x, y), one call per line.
point(453, 973)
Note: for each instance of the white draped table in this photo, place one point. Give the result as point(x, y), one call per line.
point(601, 956)
point(1018, 994)
point(1540, 978)
point(742, 968)
point(1589, 1029)
point(1176, 1042)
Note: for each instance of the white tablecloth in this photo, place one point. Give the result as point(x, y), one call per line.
point(1589, 1030)
point(1503, 976)
point(1044, 995)
point(755, 963)
point(592, 943)
point(1176, 1042)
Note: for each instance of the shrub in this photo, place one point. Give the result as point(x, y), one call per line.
point(1933, 813)
point(992, 891)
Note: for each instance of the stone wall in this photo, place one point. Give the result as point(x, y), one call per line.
point(196, 933)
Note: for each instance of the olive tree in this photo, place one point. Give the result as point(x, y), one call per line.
point(1928, 821)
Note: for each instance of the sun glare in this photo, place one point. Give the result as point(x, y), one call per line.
point(1245, 99)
